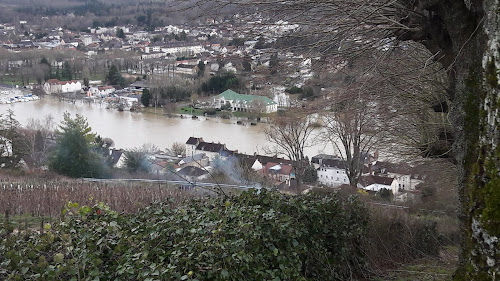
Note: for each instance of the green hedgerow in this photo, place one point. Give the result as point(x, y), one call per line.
point(253, 236)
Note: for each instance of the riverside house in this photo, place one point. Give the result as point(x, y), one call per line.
point(238, 102)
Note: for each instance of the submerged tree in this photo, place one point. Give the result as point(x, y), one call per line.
point(146, 97)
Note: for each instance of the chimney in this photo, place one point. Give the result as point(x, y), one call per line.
point(370, 168)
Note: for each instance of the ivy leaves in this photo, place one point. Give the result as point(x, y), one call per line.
point(265, 236)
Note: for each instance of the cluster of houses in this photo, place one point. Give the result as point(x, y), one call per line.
point(201, 154)
point(201, 157)
point(116, 95)
point(214, 42)
point(376, 175)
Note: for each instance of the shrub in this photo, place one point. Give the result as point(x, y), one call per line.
point(396, 237)
point(210, 111)
point(254, 236)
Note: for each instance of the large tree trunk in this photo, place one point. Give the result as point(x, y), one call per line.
point(473, 30)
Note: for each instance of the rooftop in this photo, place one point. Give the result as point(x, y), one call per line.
point(232, 95)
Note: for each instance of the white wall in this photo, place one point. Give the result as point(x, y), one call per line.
point(332, 176)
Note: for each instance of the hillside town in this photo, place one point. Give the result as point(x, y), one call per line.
point(221, 46)
point(249, 140)
point(208, 48)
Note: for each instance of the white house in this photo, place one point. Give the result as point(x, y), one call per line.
point(191, 145)
point(153, 48)
point(175, 48)
point(87, 40)
point(71, 86)
point(182, 49)
point(404, 179)
point(375, 183)
point(238, 102)
point(129, 101)
point(211, 150)
point(105, 90)
point(404, 183)
point(331, 170)
point(198, 160)
point(54, 86)
point(282, 99)
point(332, 176)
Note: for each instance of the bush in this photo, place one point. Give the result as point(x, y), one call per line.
point(210, 111)
point(294, 90)
point(385, 194)
point(396, 237)
point(253, 236)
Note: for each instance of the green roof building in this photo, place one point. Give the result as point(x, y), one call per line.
point(238, 102)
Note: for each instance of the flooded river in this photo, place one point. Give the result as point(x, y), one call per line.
point(132, 129)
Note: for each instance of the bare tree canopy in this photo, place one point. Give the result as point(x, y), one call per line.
point(290, 134)
point(356, 122)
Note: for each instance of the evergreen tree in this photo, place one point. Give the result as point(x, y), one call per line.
point(114, 77)
point(247, 66)
point(273, 63)
point(67, 73)
point(310, 174)
point(120, 34)
point(47, 68)
point(146, 97)
point(74, 155)
point(136, 161)
point(39, 141)
point(201, 69)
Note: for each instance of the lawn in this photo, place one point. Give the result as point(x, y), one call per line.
point(189, 110)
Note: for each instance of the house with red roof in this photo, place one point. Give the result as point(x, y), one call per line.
point(279, 172)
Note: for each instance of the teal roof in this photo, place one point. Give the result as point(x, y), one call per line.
point(232, 95)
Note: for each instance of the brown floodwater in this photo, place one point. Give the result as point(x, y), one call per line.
point(132, 129)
